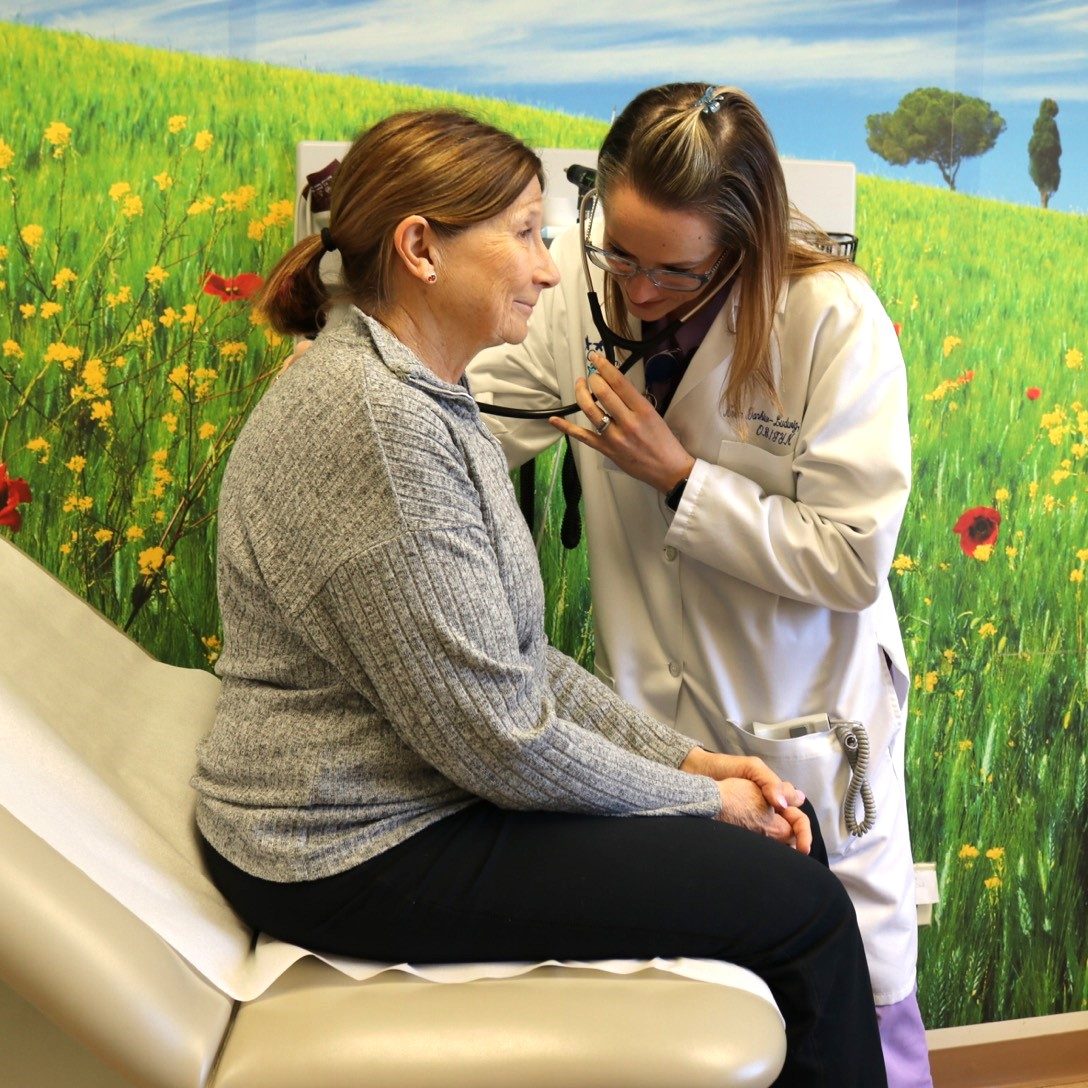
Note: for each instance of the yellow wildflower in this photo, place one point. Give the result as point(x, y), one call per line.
point(50, 309)
point(65, 354)
point(64, 549)
point(1049, 503)
point(1056, 477)
point(1001, 494)
point(58, 134)
point(207, 430)
point(255, 230)
point(995, 853)
point(953, 406)
point(124, 294)
point(7, 155)
point(28, 310)
point(76, 463)
point(104, 536)
point(993, 883)
point(987, 630)
point(203, 140)
point(143, 331)
point(213, 646)
point(1082, 554)
point(101, 411)
point(151, 560)
point(902, 563)
point(119, 361)
point(132, 206)
point(1033, 489)
point(983, 552)
point(237, 200)
point(156, 275)
point(1074, 358)
point(1012, 552)
point(1076, 575)
point(159, 456)
point(39, 446)
point(3, 249)
point(931, 681)
point(163, 181)
point(12, 350)
point(171, 422)
point(190, 316)
point(968, 851)
point(966, 746)
point(94, 374)
point(63, 278)
point(134, 532)
point(950, 344)
point(169, 316)
point(233, 349)
point(199, 207)
point(119, 189)
point(32, 235)
point(160, 516)
point(274, 339)
point(176, 123)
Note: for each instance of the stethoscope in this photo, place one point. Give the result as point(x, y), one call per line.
point(611, 341)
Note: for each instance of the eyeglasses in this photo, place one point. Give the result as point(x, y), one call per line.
point(668, 279)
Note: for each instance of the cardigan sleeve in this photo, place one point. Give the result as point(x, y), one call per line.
point(421, 626)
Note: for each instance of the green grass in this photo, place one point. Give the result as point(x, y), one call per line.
point(996, 746)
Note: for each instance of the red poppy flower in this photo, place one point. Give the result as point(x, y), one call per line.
point(12, 493)
point(977, 526)
point(898, 328)
point(965, 377)
point(232, 288)
point(1033, 392)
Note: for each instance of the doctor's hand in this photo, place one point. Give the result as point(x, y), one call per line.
point(626, 428)
point(778, 793)
point(301, 348)
point(744, 806)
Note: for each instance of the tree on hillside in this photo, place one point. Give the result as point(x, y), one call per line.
point(932, 125)
point(1044, 151)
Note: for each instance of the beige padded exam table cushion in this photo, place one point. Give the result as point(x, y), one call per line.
point(109, 927)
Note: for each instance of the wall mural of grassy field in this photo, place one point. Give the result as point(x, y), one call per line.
point(131, 175)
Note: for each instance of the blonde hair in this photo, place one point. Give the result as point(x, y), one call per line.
point(444, 165)
point(700, 148)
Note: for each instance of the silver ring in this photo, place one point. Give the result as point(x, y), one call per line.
point(601, 427)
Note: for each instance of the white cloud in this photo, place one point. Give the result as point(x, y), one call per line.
point(489, 44)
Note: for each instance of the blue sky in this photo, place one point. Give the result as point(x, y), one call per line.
point(816, 67)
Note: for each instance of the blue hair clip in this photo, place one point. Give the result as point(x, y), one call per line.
point(709, 103)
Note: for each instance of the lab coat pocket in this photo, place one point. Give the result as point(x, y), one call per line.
point(815, 763)
point(773, 472)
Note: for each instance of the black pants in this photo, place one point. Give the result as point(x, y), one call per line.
point(486, 884)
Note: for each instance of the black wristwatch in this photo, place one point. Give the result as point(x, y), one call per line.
point(675, 494)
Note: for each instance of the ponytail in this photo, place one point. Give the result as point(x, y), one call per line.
point(293, 298)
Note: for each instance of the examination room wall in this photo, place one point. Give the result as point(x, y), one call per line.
point(147, 169)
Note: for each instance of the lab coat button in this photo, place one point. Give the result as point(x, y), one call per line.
point(670, 553)
point(674, 668)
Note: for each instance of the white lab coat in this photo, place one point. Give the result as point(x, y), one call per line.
point(765, 596)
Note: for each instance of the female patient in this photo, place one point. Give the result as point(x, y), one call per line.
point(401, 767)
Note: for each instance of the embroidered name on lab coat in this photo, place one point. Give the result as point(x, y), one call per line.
point(781, 430)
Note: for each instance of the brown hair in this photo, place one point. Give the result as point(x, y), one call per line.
point(706, 149)
point(448, 167)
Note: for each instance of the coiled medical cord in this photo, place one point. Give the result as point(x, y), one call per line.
point(855, 743)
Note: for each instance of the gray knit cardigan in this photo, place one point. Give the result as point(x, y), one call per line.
point(384, 662)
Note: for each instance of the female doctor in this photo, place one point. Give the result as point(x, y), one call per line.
point(743, 488)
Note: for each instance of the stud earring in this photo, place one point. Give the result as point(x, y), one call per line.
point(433, 277)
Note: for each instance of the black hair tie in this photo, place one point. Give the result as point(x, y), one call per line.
point(327, 244)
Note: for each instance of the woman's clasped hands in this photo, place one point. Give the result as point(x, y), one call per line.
point(754, 797)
